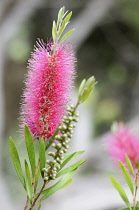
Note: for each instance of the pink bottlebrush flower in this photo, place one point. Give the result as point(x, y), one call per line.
point(122, 141)
point(47, 88)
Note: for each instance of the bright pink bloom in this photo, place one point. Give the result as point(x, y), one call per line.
point(121, 142)
point(48, 87)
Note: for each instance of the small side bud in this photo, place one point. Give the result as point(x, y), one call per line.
point(86, 89)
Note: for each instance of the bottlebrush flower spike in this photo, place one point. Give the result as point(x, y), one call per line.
point(49, 81)
point(122, 141)
point(48, 86)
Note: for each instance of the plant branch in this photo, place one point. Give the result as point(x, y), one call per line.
point(34, 202)
point(136, 188)
point(27, 202)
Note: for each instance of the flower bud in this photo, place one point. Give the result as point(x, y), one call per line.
point(46, 178)
point(45, 170)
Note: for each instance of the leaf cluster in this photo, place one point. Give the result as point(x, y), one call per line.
point(129, 175)
point(60, 25)
point(33, 170)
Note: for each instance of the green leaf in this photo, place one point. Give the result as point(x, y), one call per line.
point(51, 190)
point(36, 180)
point(67, 18)
point(48, 144)
point(64, 24)
point(130, 208)
point(81, 88)
point(129, 165)
point(39, 207)
point(16, 161)
point(60, 15)
point(90, 82)
point(127, 177)
point(42, 156)
point(70, 168)
point(54, 31)
point(28, 182)
point(67, 183)
point(30, 149)
point(70, 157)
point(66, 36)
point(120, 190)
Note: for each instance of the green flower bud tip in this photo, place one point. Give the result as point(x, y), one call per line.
point(65, 150)
point(51, 154)
point(45, 170)
point(58, 167)
point(58, 146)
point(54, 174)
point(70, 118)
point(54, 169)
point(61, 157)
point(59, 127)
point(48, 162)
point(57, 137)
point(65, 135)
point(70, 130)
point(53, 177)
point(53, 145)
point(64, 127)
point(75, 120)
point(46, 178)
point(57, 159)
point(54, 162)
point(72, 106)
point(70, 135)
point(77, 114)
point(67, 146)
point(67, 141)
point(71, 125)
point(67, 122)
point(61, 152)
point(62, 131)
point(65, 117)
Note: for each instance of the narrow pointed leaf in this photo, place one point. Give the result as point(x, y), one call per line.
point(127, 177)
point(60, 15)
point(71, 157)
point(70, 168)
point(54, 31)
point(42, 156)
point(66, 35)
point(37, 180)
point(16, 161)
point(30, 149)
point(67, 18)
point(81, 88)
point(39, 207)
point(129, 165)
point(51, 190)
point(67, 183)
point(120, 190)
point(28, 182)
